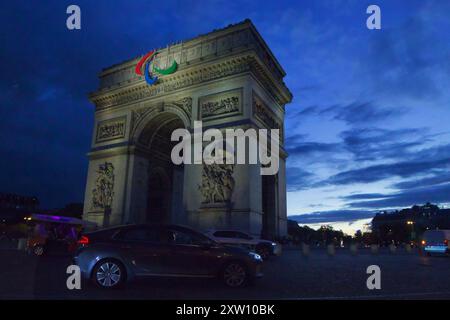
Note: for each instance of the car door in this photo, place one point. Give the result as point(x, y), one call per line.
point(226, 237)
point(233, 238)
point(245, 239)
point(146, 249)
point(193, 254)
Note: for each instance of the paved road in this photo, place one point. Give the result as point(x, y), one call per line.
point(291, 276)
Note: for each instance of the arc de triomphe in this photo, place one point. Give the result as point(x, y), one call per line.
point(228, 78)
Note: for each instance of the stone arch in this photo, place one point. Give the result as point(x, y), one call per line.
point(231, 87)
point(142, 118)
point(153, 138)
point(159, 199)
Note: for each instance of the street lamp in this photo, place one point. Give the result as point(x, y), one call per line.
point(413, 233)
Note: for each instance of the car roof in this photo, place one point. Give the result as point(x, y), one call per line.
point(225, 230)
point(153, 225)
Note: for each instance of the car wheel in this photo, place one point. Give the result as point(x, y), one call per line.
point(235, 274)
point(109, 274)
point(263, 252)
point(38, 250)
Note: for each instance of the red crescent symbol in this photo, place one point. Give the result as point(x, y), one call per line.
point(138, 68)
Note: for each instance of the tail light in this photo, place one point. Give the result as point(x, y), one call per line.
point(446, 242)
point(83, 240)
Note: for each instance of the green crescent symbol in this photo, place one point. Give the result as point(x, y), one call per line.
point(168, 70)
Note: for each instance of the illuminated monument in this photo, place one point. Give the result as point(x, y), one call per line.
point(228, 79)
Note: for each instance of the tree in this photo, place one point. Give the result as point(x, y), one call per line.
point(358, 236)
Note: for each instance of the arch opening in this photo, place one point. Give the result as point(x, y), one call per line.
point(164, 199)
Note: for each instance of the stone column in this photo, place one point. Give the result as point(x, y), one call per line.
point(136, 189)
point(282, 208)
point(106, 186)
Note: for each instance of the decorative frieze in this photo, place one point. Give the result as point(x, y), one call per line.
point(111, 129)
point(200, 59)
point(186, 53)
point(221, 104)
point(262, 112)
point(178, 81)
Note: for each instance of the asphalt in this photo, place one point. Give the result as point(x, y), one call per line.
point(404, 275)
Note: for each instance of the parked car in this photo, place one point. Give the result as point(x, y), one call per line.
point(264, 248)
point(436, 242)
point(114, 256)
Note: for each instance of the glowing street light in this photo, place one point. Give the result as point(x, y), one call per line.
point(413, 233)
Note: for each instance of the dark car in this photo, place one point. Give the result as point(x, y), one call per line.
point(264, 248)
point(114, 256)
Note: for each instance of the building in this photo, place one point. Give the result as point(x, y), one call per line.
point(15, 202)
point(14, 207)
point(410, 223)
point(228, 78)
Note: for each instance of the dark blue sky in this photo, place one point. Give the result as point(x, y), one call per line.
point(368, 128)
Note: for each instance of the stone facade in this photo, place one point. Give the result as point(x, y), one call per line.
point(228, 79)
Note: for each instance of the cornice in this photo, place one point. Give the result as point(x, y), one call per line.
point(183, 79)
point(214, 35)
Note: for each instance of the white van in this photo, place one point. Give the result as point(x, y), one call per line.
point(436, 241)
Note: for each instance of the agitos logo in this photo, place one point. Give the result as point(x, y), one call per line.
point(146, 61)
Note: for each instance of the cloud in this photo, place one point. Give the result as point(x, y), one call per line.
point(406, 61)
point(306, 112)
point(364, 196)
point(355, 113)
point(364, 113)
point(298, 179)
point(438, 177)
point(434, 194)
point(294, 138)
point(383, 94)
point(376, 143)
point(332, 216)
point(410, 164)
point(404, 169)
point(305, 149)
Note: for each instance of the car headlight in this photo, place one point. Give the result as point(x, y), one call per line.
point(255, 256)
point(274, 244)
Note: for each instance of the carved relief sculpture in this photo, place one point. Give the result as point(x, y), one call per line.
point(111, 129)
point(227, 105)
point(224, 103)
point(185, 104)
point(217, 183)
point(103, 193)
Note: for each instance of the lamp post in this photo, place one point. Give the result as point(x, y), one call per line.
point(412, 234)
